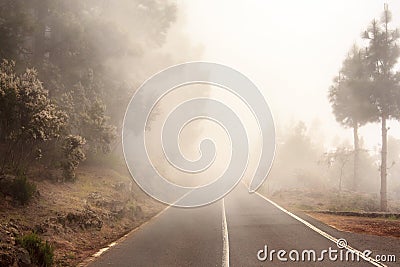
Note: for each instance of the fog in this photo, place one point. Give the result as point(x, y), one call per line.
point(111, 110)
point(292, 50)
point(92, 56)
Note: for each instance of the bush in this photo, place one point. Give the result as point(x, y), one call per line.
point(351, 201)
point(28, 117)
point(20, 189)
point(73, 152)
point(41, 253)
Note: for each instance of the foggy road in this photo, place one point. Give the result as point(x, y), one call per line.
point(196, 237)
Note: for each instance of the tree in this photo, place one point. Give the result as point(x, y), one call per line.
point(349, 97)
point(88, 117)
point(382, 55)
point(296, 159)
point(28, 118)
point(341, 157)
point(73, 154)
point(89, 55)
point(93, 44)
point(16, 24)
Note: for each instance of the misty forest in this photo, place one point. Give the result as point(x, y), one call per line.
point(67, 72)
point(365, 91)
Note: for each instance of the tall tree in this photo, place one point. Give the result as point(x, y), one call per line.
point(87, 50)
point(16, 23)
point(382, 56)
point(350, 100)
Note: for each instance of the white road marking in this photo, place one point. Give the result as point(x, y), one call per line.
point(101, 251)
point(324, 234)
point(225, 238)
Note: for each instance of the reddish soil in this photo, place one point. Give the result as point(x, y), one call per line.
point(362, 225)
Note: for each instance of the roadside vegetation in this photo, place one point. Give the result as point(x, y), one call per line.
point(349, 186)
point(40, 252)
point(365, 91)
point(67, 72)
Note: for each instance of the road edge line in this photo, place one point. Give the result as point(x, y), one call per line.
point(324, 234)
point(101, 251)
point(225, 238)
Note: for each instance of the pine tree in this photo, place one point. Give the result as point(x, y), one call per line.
point(382, 56)
point(349, 97)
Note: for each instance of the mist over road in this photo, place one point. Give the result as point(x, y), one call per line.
point(196, 237)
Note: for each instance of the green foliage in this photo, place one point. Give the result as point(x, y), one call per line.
point(353, 202)
point(28, 117)
point(382, 55)
point(17, 187)
point(15, 24)
point(368, 88)
point(83, 52)
point(73, 152)
point(41, 253)
point(96, 129)
point(88, 117)
point(350, 93)
point(71, 37)
point(22, 190)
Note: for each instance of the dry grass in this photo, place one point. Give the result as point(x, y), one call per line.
point(55, 200)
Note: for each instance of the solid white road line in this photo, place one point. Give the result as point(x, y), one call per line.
point(101, 251)
point(324, 234)
point(225, 238)
point(88, 260)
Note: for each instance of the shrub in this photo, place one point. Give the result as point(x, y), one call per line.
point(21, 190)
point(28, 116)
point(353, 202)
point(73, 152)
point(41, 253)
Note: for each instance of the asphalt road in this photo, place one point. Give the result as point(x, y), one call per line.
point(196, 237)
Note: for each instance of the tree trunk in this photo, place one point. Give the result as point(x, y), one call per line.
point(384, 165)
point(356, 157)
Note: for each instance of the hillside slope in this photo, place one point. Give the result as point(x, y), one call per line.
point(76, 218)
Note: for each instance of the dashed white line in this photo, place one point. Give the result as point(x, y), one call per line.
point(225, 238)
point(324, 234)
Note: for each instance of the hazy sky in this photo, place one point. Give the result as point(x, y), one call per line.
point(290, 49)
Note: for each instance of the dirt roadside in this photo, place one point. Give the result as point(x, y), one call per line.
point(76, 218)
point(359, 224)
point(361, 209)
